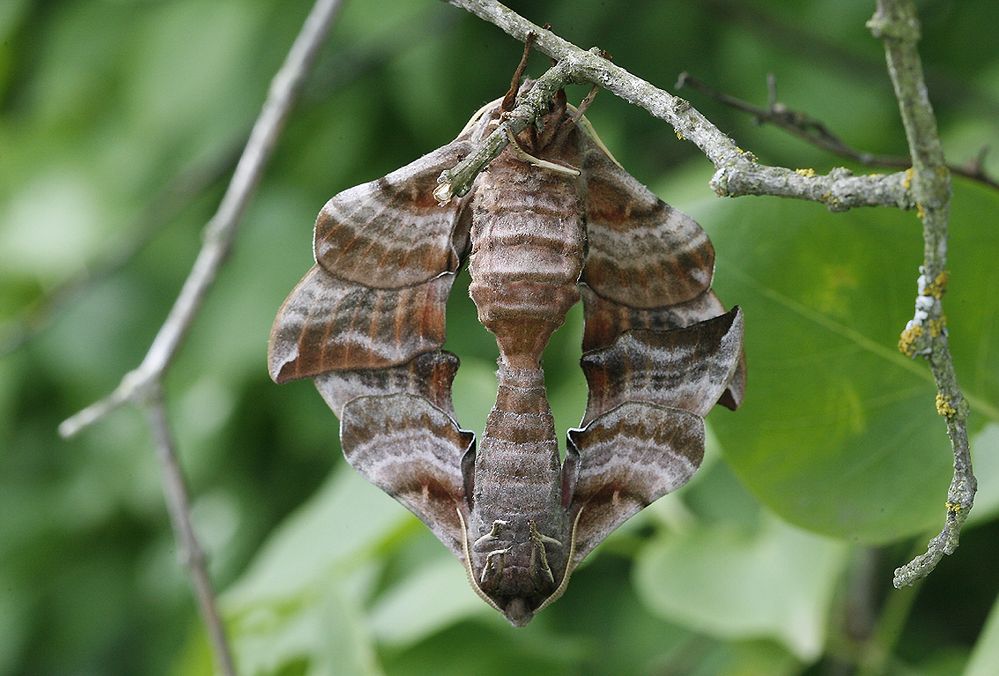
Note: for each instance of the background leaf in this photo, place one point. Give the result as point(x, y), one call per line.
point(838, 433)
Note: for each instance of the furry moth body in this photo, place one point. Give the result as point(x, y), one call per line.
point(367, 324)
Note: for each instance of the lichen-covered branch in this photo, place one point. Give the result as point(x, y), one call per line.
point(897, 24)
point(737, 172)
point(458, 180)
point(926, 186)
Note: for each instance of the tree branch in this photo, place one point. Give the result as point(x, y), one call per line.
point(178, 504)
point(814, 131)
point(221, 229)
point(897, 24)
point(737, 171)
point(925, 186)
point(347, 67)
point(143, 386)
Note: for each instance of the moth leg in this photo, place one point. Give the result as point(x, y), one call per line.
point(495, 561)
point(524, 156)
point(510, 99)
point(539, 561)
point(569, 123)
point(539, 537)
point(492, 535)
point(584, 105)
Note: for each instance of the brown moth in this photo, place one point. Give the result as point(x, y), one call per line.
point(367, 324)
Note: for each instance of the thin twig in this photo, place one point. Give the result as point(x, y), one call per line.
point(158, 213)
point(143, 386)
point(816, 132)
point(897, 24)
point(191, 182)
point(178, 504)
point(221, 229)
point(737, 171)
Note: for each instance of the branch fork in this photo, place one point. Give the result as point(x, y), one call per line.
point(925, 187)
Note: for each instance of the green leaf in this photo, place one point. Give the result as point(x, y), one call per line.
point(326, 635)
point(985, 656)
point(301, 599)
point(322, 540)
point(425, 601)
point(839, 432)
point(985, 449)
point(732, 581)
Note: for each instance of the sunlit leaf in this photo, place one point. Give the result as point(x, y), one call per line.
point(736, 582)
point(424, 602)
point(985, 656)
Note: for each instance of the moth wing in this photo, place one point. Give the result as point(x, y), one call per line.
point(391, 232)
point(429, 376)
point(623, 461)
point(642, 252)
point(413, 451)
point(606, 321)
point(686, 368)
point(328, 324)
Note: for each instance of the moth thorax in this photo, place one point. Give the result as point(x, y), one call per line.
point(527, 254)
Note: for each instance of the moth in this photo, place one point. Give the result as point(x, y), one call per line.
point(552, 220)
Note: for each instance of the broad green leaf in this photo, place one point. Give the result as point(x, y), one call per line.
point(326, 635)
point(745, 658)
point(324, 539)
point(839, 432)
point(985, 657)
point(425, 601)
point(301, 599)
point(737, 582)
point(985, 448)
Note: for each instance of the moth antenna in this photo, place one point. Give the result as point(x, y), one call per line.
point(510, 100)
point(524, 156)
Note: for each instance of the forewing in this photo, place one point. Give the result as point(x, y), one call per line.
point(642, 252)
point(412, 450)
point(391, 232)
point(327, 324)
point(623, 461)
point(686, 368)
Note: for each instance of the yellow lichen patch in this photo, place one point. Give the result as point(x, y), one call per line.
point(920, 211)
point(936, 326)
point(680, 136)
point(907, 341)
point(807, 173)
point(907, 179)
point(938, 286)
point(944, 407)
point(954, 507)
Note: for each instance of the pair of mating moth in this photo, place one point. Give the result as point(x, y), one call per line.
point(366, 323)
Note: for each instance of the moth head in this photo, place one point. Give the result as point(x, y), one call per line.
point(516, 567)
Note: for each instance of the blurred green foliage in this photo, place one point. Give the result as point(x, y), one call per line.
point(776, 559)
